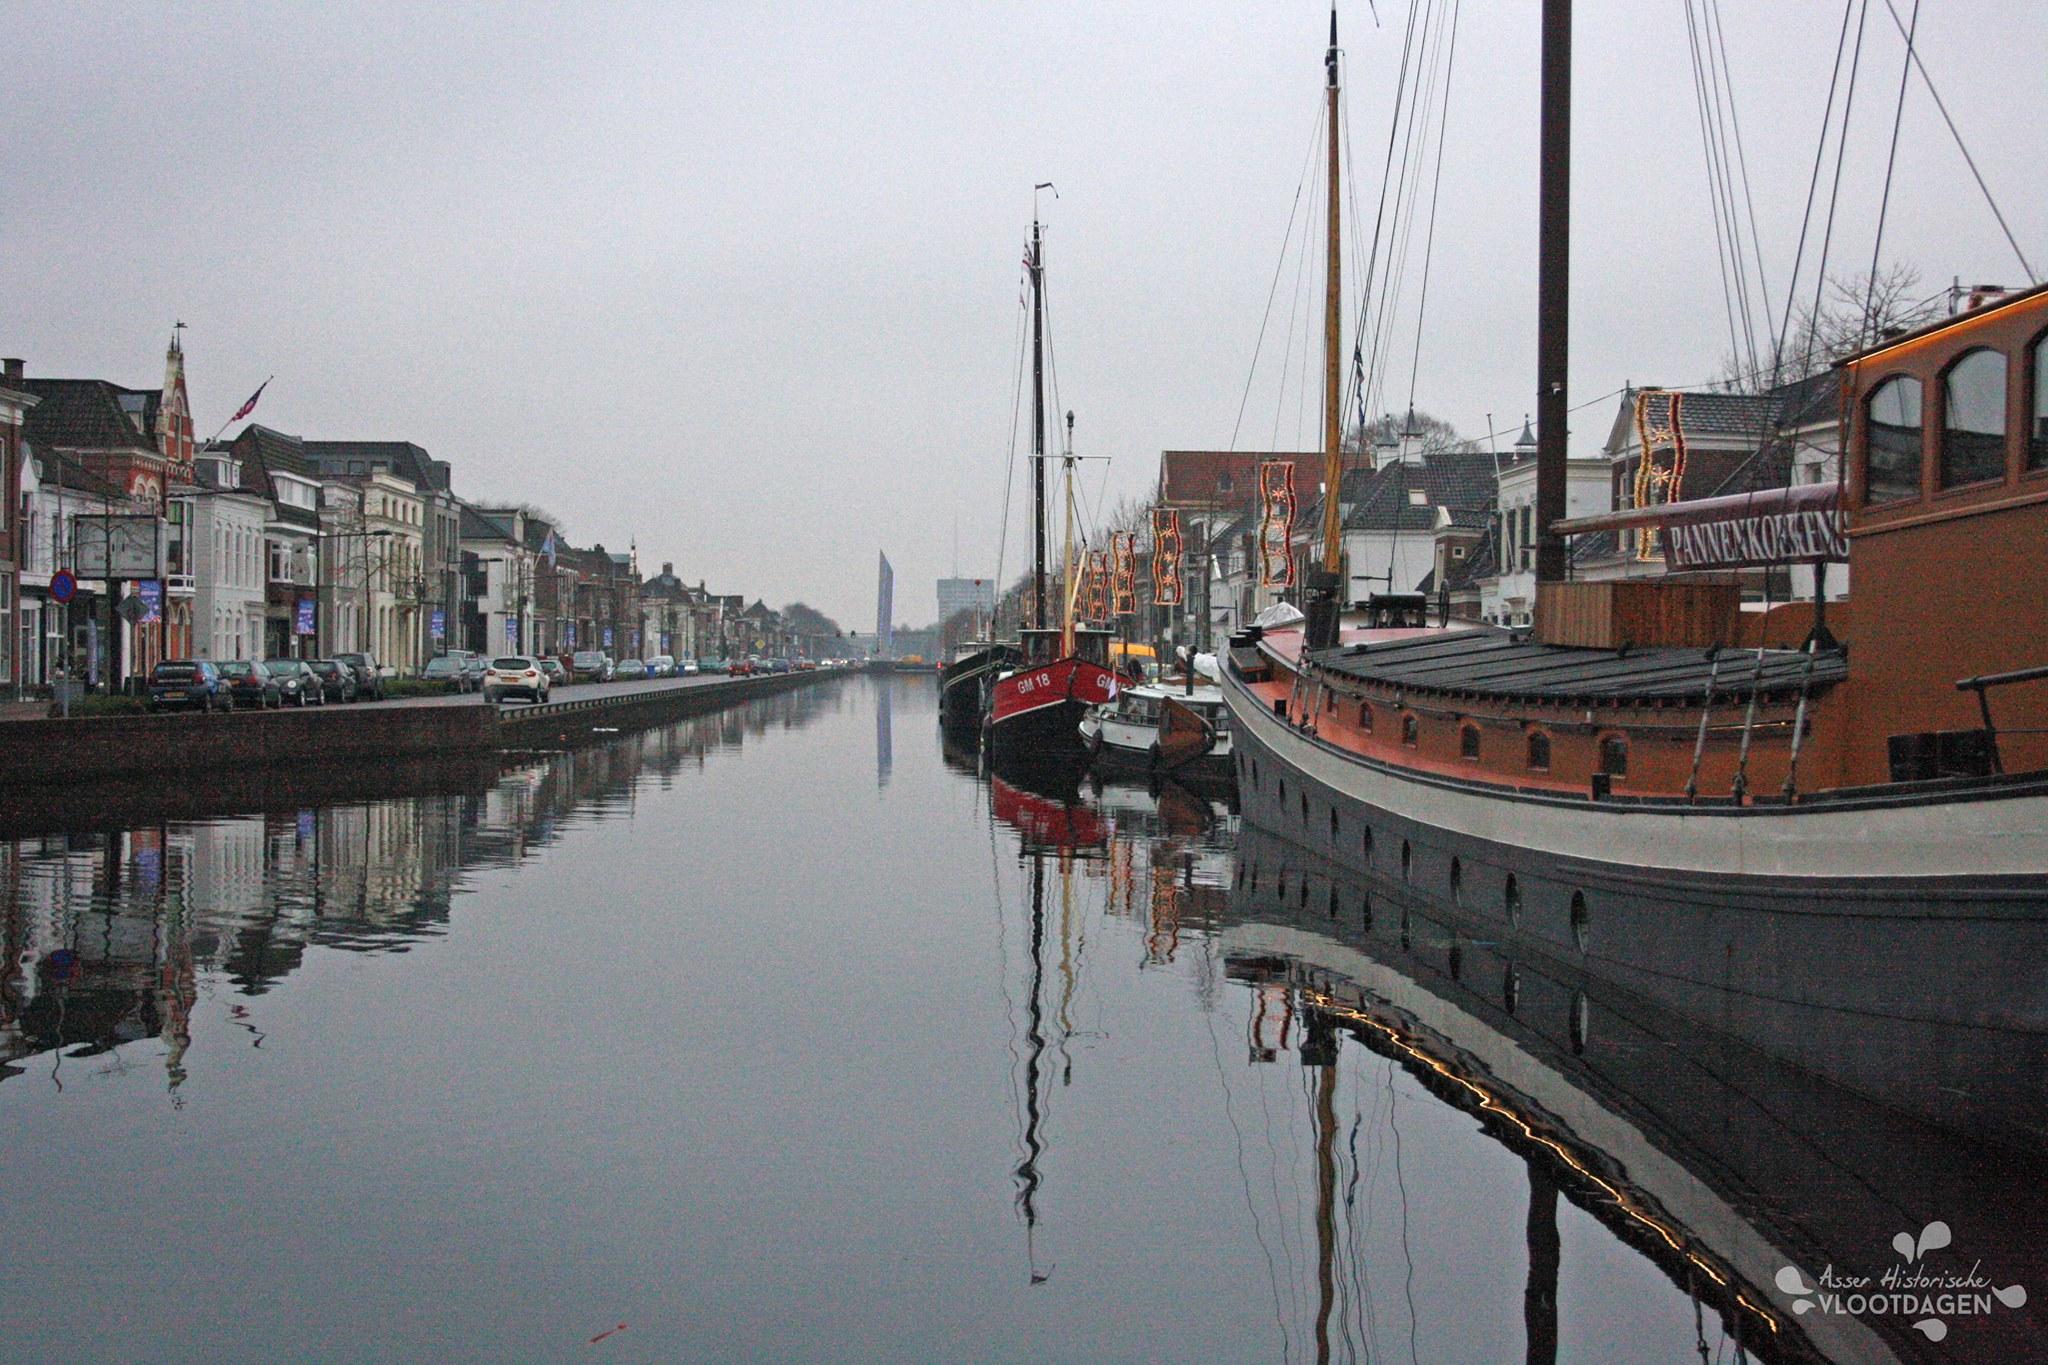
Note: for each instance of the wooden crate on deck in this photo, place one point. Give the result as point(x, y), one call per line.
point(1641, 613)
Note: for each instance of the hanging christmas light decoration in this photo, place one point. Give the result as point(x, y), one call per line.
point(1276, 523)
point(1123, 549)
point(1166, 557)
point(1098, 585)
point(1660, 436)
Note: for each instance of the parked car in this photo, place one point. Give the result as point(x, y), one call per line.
point(337, 680)
point(713, 666)
point(556, 674)
point(740, 668)
point(779, 666)
point(688, 668)
point(629, 670)
point(473, 668)
point(187, 684)
point(511, 675)
point(369, 677)
point(661, 666)
point(250, 684)
point(591, 665)
point(296, 682)
point(448, 671)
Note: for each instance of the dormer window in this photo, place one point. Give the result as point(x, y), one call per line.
point(1892, 441)
point(1418, 497)
point(1973, 419)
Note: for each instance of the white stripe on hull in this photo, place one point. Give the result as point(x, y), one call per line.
point(1994, 836)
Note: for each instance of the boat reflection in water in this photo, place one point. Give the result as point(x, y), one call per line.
point(1723, 1165)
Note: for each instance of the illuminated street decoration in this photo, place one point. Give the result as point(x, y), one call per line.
point(1276, 523)
point(1659, 432)
point(1123, 549)
point(1166, 557)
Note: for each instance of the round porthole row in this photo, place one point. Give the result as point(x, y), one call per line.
point(1457, 882)
point(1582, 921)
point(1511, 900)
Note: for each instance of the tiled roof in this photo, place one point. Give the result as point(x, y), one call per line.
point(478, 525)
point(402, 458)
point(57, 470)
point(1379, 499)
point(1219, 478)
point(83, 414)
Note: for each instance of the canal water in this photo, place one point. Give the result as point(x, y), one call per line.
point(784, 1034)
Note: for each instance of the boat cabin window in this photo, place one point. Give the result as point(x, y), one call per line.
point(1092, 645)
point(1892, 441)
point(1040, 646)
point(1973, 419)
point(1614, 755)
point(1539, 752)
point(2037, 434)
point(1365, 716)
point(1468, 742)
point(1410, 730)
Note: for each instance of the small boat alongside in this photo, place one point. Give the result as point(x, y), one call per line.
point(1163, 729)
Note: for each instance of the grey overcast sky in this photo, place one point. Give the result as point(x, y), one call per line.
point(739, 282)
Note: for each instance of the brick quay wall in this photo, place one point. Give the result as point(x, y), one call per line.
point(79, 764)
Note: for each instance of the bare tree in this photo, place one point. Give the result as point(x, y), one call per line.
point(1852, 312)
point(1433, 434)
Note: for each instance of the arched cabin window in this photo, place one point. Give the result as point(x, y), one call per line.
point(1973, 419)
point(2037, 413)
point(1365, 716)
point(1468, 742)
point(1614, 756)
point(1892, 439)
point(1539, 752)
point(1411, 730)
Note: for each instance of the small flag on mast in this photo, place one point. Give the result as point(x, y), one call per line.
point(547, 547)
point(250, 406)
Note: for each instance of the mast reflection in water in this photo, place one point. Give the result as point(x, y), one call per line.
point(722, 1033)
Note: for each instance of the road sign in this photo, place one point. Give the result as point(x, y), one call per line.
point(132, 609)
point(63, 587)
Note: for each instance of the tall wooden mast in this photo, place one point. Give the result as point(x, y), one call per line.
point(1333, 340)
point(1038, 613)
point(1553, 289)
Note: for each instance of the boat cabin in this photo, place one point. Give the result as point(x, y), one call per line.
point(1044, 646)
point(1946, 493)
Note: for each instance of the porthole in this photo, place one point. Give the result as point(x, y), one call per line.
point(1333, 822)
point(1283, 793)
point(1457, 959)
point(1365, 910)
point(1511, 900)
point(1404, 926)
point(1510, 988)
point(1304, 807)
point(1582, 921)
point(1457, 882)
point(1407, 860)
point(1304, 893)
point(1367, 841)
point(1334, 908)
point(1581, 1022)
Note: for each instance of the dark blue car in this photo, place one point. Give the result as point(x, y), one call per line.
point(187, 685)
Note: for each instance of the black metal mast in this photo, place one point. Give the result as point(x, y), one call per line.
point(1037, 428)
point(1553, 289)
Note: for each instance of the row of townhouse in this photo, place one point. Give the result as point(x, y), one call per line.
point(124, 540)
point(1459, 524)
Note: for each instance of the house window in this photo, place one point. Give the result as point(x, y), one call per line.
point(1411, 730)
point(1614, 756)
point(1539, 752)
point(2037, 438)
point(1468, 743)
point(1973, 419)
point(1457, 552)
point(1892, 435)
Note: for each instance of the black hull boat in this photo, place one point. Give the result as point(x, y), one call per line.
point(965, 685)
point(1735, 1171)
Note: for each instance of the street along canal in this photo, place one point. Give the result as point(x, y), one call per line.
point(780, 1033)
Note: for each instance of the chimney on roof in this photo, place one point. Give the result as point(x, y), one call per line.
point(12, 368)
point(668, 570)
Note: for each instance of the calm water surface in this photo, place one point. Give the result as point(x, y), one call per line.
point(778, 1034)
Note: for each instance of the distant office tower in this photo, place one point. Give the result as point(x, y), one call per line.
point(885, 609)
point(956, 595)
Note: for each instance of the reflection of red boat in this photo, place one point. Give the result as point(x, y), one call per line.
point(1047, 821)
